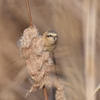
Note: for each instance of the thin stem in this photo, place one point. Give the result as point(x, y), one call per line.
point(29, 12)
point(45, 93)
point(55, 65)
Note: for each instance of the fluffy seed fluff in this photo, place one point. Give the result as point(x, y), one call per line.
point(39, 62)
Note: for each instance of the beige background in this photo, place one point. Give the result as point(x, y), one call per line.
point(63, 16)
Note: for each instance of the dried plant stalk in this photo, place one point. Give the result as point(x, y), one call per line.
point(45, 93)
point(60, 91)
point(29, 12)
point(90, 27)
point(39, 62)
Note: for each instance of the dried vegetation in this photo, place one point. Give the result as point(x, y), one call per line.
point(63, 16)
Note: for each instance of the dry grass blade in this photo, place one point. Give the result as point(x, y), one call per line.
point(94, 92)
point(90, 33)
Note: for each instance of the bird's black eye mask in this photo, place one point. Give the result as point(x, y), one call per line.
point(49, 36)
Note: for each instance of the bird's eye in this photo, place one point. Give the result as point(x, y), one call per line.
point(49, 35)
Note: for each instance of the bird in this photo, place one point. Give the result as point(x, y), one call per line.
point(50, 39)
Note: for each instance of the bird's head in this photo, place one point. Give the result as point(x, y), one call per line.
point(51, 37)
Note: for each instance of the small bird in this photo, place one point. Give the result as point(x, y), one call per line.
point(50, 39)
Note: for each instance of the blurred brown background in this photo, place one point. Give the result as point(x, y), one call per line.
point(65, 17)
